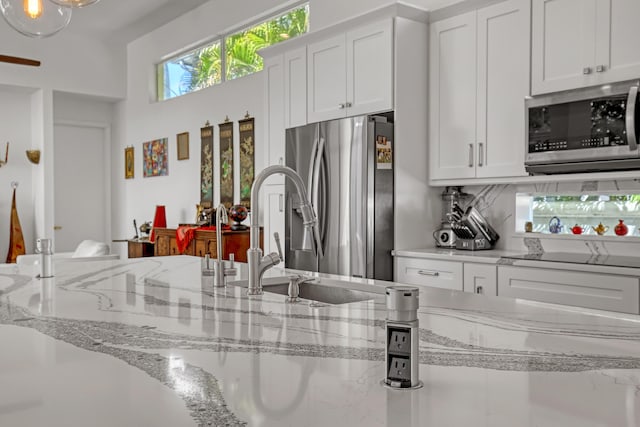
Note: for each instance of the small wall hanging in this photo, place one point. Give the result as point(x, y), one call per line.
point(206, 165)
point(128, 163)
point(226, 163)
point(6, 156)
point(182, 142)
point(247, 158)
point(156, 162)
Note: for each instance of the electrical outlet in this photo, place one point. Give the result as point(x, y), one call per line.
point(399, 369)
point(400, 342)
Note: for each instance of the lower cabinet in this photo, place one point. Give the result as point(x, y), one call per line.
point(480, 278)
point(591, 290)
point(426, 272)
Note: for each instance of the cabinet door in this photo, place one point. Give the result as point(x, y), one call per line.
point(481, 279)
point(563, 44)
point(273, 216)
point(452, 97)
point(326, 70)
point(617, 53)
point(274, 109)
point(370, 69)
point(295, 87)
point(600, 291)
point(503, 83)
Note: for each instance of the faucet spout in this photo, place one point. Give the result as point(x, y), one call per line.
point(221, 218)
point(257, 264)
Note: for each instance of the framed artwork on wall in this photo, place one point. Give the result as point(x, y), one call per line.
point(226, 163)
point(128, 163)
point(206, 165)
point(183, 145)
point(155, 158)
point(247, 160)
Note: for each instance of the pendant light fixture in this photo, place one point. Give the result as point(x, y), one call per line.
point(35, 18)
point(74, 3)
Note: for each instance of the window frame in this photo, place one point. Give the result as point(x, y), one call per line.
point(221, 38)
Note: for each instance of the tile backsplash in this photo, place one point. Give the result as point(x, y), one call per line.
point(498, 204)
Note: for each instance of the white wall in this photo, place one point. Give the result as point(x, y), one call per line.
point(15, 122)
point(69, 63)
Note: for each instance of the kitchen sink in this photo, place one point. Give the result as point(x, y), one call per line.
point(318, 290)
point(323, 293)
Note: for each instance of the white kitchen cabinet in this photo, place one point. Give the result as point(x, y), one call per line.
point(579, 43)
point(351, 73)
point(295, 87)
point(480, 278)
point(274, 205)
point(426, 272)
point(274, 113)
point(478, 81)
point(591, 290)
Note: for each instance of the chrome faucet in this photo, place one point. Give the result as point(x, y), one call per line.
point(221, 272)
point(257, 263)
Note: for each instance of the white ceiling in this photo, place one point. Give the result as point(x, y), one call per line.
point(126, 20)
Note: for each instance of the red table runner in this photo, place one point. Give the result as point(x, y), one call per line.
point(186, 233)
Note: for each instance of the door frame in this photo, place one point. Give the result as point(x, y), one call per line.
point(106, 128)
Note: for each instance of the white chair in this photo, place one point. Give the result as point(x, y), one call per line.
point(87, 250)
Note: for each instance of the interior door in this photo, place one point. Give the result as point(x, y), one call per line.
point(80, 186)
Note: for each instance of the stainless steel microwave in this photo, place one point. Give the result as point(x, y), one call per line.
point(586, 130)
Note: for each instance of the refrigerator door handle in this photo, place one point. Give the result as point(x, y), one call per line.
point(315, 192)
point(312, 167)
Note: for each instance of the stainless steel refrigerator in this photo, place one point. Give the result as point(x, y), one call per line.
point(347, 166)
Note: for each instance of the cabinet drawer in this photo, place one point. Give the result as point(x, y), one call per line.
point(424, 272)
point(600, 291)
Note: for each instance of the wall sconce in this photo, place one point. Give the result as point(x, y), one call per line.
point(33, 156)
point(6, 156)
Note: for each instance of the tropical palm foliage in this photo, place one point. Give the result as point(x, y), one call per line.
point(202, 67)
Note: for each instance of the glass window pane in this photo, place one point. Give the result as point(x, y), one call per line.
point(242, 48)
point(194, 70)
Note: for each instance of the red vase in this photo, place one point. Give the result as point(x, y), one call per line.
point(621, 229)
point(159, 221)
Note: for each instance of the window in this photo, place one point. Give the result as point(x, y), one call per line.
point(236, 53)
point(585, 210)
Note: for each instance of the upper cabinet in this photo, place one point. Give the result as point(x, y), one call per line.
point(578, 43)
point(295, 87)
point(478, 81)
point(351, 73)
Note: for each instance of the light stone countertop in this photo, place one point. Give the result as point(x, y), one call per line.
point(147, 341)
point(489, 256)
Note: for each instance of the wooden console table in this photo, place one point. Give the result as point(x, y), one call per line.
point(205, 242)
point(140, 248)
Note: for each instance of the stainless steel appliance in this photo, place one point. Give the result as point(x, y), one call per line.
point(348, 168)
point(586, 130)
point(452, 198)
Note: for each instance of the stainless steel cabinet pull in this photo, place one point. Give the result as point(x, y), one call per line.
point(480, 154)
point(428, 273)
point(479, 290)
point(630, 117)
point(601, 68)
point(280, 203)
point(280, 162)
point(341, 106)
point(586, 70)
point(470, 155)
point(348, 104)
